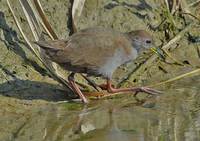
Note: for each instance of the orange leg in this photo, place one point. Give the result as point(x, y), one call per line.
point(147, 90)
point(104, 86)
point(94, 85)
point(76, 88)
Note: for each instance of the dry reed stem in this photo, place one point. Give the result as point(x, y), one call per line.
point(61, 80)
point(177, 78)
point(46, 25)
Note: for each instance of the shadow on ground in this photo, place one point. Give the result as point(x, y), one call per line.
point(31, 90)
point(143, 5)
point(17, 86)
point(13, 43)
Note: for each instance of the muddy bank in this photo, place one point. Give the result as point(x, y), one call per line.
point(172, 116)
point(29, 95)
point(25, 72)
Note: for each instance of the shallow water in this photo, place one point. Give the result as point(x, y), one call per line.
point(172, 116)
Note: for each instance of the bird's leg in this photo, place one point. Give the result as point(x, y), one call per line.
point(104, 86)
point(90, 82)
point(76, 88)
point(147, 90)
point(94, 85)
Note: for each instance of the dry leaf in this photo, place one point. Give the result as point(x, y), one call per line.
point(76, 12)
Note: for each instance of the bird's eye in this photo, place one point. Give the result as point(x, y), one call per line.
point(148, 41)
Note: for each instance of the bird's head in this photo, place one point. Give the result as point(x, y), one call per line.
point(141, 40)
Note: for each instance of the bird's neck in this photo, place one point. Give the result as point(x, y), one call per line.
point(138, 48)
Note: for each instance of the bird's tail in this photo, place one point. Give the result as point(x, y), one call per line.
point(45, 45)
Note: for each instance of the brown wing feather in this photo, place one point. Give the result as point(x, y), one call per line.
point(52, 44)
point(88, 48)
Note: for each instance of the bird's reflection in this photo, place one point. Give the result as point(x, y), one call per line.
point(110, 132)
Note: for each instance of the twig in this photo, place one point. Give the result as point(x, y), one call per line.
point(46, 25)
point(177, 78)
point(177, 37)
point(194, 3)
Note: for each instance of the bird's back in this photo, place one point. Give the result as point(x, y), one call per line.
point(88, 50)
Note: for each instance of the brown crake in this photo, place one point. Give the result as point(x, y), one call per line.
point(98, 52)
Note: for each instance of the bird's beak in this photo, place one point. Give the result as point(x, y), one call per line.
point(159, 52)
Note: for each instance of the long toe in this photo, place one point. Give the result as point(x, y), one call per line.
point(150, 91)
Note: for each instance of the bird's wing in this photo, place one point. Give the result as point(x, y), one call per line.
point(88, 48)
point(52, 44)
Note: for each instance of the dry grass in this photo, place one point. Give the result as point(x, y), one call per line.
point(173, 6)
point(33, 21)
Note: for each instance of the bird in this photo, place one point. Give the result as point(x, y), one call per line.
point(98, 51)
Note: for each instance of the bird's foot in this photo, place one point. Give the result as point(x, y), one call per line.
point(95, 94)
point(104, 86)
point(147, 90)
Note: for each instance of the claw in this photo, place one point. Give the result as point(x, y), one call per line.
point(149, 91)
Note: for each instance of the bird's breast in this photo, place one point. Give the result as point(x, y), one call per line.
point(133, 54)
point(113, 62)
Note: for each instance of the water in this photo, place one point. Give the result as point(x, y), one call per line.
point(172, 116)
